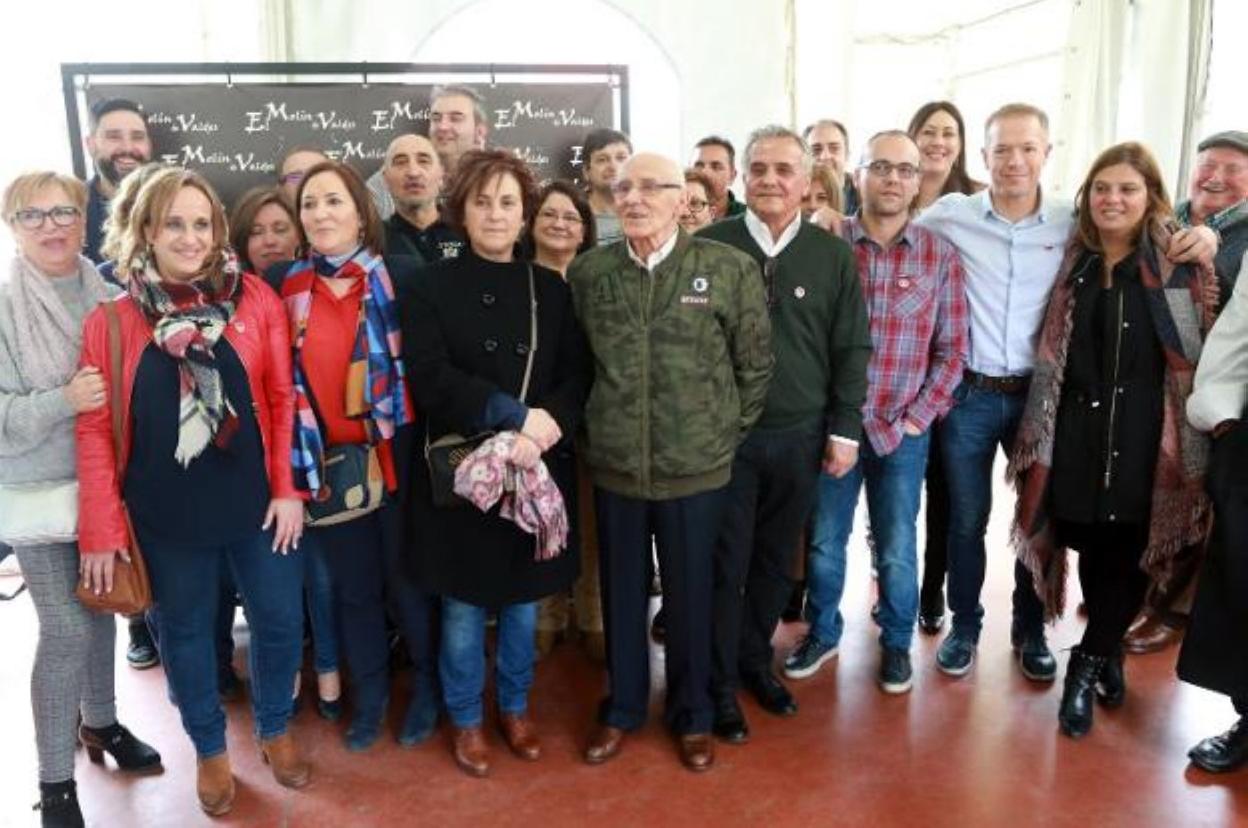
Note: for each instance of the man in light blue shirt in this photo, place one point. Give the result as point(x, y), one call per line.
point(1011, 240)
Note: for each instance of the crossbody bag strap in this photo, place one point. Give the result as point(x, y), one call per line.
point(528, 365)
point(116, 379)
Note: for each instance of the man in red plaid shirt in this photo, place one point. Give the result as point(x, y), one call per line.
point(912, 282)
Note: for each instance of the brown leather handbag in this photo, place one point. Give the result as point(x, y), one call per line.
point(132, 590)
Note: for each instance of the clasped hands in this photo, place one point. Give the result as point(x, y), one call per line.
point(538, 435)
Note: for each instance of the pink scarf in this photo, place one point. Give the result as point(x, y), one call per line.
point(530, 498)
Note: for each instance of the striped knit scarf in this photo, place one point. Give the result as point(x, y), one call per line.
point(1178, 302)
point(376, 389)
point(187, 319)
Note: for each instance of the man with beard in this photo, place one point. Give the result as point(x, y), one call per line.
point(605, 151)
point(413, 176)
point(119, 143)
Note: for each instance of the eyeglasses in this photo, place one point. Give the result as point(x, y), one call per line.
point(554, 215)
point(649, 188)
point(291, 177)
point(32, 218)
point(697, 205)
point(881, 169)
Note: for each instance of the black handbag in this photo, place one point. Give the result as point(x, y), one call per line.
point(354, 485)
point(445, 454)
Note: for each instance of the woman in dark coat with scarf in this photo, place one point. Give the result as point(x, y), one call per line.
point(467, 330)
point(1105, 461)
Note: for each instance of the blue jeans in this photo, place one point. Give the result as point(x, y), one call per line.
point(893, 483)
point(271, 589)
point(462, 661)
point(980, 421)
point(318, 592)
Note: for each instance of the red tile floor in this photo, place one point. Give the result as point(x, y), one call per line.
point(982, 751)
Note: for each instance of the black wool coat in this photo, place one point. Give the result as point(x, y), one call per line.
point(1215, 648)
point(466, 332)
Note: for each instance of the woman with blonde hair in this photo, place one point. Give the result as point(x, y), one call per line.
point(51, 287)
point(205, 474)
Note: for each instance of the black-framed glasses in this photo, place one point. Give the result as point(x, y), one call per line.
point(648, 187)
point(32, 218)
point(770, 266)
point(697, 205)
point(554, 215)
point(882, 169)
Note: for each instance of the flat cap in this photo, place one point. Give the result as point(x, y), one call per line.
point(1232, 138)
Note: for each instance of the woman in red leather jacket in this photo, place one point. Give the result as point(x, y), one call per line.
point(206, 471)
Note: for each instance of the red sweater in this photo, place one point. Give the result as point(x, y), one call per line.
point(259, 335)
point(327, 348)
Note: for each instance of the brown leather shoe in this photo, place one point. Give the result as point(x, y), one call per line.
point(604, 744)
point(697, 751)
point(1150, 634)
point(214, 784)
point(289, 768)
point(520, 735)
point(595, 642)
point(471, 752)
point(546, 640)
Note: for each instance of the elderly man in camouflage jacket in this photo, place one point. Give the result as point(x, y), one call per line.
point(682, 353)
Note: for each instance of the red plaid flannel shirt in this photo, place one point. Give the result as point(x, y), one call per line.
point(916, 301)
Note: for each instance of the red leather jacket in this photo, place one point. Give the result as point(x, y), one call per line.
point(258, 333)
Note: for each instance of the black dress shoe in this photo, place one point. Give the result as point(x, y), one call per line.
point(773, 696)
point(1111, 684)
point(797, 601)
point(931, 612)
point(1224, 752)
point(729, 723)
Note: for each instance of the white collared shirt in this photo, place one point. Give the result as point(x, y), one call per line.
point(655, 259)
point(762, 235)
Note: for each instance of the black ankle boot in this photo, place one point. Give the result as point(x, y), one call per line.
point(129, 752)
point(58, 805)
point(1224, 752)
point(1111, 685)
point(1075, 715)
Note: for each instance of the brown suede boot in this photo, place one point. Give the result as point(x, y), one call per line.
point(214, 783)
point(289, 768)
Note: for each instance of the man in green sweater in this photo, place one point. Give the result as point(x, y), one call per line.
point(812, 418)
point(681, 344)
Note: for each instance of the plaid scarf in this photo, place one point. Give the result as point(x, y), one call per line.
point(376, 391)
point(187, 319)
point(1219, 220)
point(1178, 304)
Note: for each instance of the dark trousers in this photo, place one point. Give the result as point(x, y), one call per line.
point(936, 523)
point(774, 478)
point(1112, 581)
point(362, 556)
point(226, 602)
point(684, 531)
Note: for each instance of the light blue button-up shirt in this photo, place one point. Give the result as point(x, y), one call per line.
point(1010, 270)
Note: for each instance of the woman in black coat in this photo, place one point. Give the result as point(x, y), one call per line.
point(467, 333)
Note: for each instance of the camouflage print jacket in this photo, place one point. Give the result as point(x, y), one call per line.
point(682, 357)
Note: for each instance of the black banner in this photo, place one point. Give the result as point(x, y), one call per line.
point(235, 134)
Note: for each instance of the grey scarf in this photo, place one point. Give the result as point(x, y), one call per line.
point(47, 336)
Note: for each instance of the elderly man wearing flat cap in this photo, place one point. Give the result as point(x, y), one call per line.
point(1217, 198)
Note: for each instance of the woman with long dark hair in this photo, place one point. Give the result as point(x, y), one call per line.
point(1105, 461)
